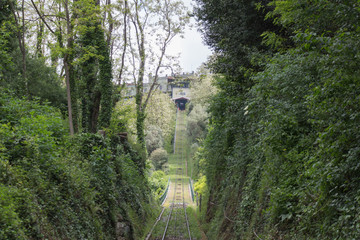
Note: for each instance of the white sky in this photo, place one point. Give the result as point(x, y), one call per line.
point(193, 52)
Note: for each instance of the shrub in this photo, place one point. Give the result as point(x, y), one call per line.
point(196, 123)
point(158, 182)
point(154, 138)
point(159, 157)
point(53, 186)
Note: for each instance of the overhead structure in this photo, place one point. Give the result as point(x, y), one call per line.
point(176, 86)
point(180, 95)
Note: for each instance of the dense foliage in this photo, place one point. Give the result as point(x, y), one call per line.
point(94, 70)
point(57, 77)
point(202, 89)
point(159, 157)
point(53, 186)
point(281, 155)
point(158, 182)
point(159, 128)
point(196, 123)
point(42, 80)
point(160, 122)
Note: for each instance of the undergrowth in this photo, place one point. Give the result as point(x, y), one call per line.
point(53, 186)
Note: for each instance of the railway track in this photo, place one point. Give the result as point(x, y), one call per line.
point(177, 226)
point(173, 222)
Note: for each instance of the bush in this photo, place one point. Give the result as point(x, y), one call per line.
point(197, 122)
point(158, 182)
point(53, 186)
point(154, 138)
point(160, 112)
point(159, 157)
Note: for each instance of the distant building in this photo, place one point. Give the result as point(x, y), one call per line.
point(162, 84)
point(180, 95)
point(180, 91)
point(176, 86)
point(130, 89)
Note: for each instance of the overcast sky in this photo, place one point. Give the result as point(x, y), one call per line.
point(193, 52)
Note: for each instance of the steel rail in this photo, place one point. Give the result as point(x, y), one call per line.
point(153, 227)
point(184, 205)
point(186, 218)
point(171, 209)
point(173, 215)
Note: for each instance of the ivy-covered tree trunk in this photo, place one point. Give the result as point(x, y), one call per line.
point(140, 108)
point(89, 92)
point(72, 81)
point(40, 37)
point(69, 72)
point(96, 71)
point(74, 95)
point(106, 86)
point(140, 120)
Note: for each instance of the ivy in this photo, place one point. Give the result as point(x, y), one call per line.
point(283, 141)
point(56, 186)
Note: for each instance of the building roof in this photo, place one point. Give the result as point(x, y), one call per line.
point(185, 98)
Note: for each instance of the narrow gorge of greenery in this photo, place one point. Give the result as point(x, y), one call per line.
point(272, 126)
point(281, 156)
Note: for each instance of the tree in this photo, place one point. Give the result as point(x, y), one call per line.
point(159, 157)
point(233, 29)
point(5, 37)
point(66, 51)
point(203, 87)
point(124, 117)
point(19, 17)
point(159, 128)
point(197, 122)
point(154, 138)
point(163, 20)
point(282, 144)
point(82, 21)
point(96, 70)
point(42, 81)
point(161, 103)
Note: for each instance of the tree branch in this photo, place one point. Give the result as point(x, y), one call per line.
point(42, 17)
point(125, 41)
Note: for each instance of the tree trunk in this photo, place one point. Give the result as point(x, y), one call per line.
point(40, 35)
point(140, 120)
point(39, 39)
point(23, 50)
point(139, 86)
point(95, 112)
point(89, 93)
point(106, 86)
point(20, 33)
point(68, 68)
point(126, 6)
point(67, 77)
point(67, 56)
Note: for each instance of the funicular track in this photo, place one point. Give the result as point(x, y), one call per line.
point(175, 219)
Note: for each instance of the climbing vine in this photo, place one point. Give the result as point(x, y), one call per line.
point(96, 71)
